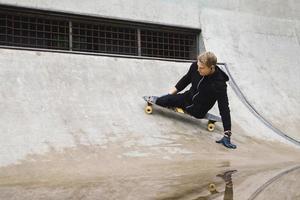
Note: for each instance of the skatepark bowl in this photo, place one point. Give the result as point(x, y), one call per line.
point(73, 124)
point(72, 142)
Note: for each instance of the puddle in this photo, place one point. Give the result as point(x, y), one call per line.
point(182, 181)
point(93, 172)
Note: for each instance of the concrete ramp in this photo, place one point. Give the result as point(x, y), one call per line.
point(56, 101)
point(74, 126)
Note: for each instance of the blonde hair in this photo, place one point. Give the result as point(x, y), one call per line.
point(208, 58)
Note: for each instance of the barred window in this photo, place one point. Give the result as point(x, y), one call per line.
point(104, 38)
point(168, 44)
point(22, 27)
point(31, 31)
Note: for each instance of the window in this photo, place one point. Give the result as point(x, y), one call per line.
point(168, 44)
point(104, 38)
point(32, 31)
point(21, 27)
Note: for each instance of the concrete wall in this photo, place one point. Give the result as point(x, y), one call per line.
point(162, 12)
point(173, 12)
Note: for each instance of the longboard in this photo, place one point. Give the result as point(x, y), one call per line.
point(212, 119)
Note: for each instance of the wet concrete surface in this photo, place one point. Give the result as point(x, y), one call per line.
point(92, 172)
point(190, 183)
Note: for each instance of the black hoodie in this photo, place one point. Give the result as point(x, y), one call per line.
point(204, 93)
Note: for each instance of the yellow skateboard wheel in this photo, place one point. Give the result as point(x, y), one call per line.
point(148, 109)
point(212, 187)
point(210, 126)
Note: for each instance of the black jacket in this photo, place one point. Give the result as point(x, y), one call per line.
point(204, 93)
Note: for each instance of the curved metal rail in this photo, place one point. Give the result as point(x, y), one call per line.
point(269, 182)
point(242, 97)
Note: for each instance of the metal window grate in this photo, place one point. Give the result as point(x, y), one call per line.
point(32, 31)
point(104, 39)
point(51, 30)
point(168, 44)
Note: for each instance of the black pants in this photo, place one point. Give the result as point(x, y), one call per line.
point(172, 100)
point(180, 101)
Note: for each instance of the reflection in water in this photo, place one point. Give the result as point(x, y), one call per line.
point(228, 192)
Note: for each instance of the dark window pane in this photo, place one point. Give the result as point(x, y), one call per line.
point(167, 44)
point(110, 39)
point(22, 30)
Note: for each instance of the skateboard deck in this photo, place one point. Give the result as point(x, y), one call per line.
point(212, 119)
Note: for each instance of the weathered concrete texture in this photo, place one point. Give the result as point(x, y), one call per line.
point(173, 12)
point(46, 98)
point(263, 55)
point(156, 11)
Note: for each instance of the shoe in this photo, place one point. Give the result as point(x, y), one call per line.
point(151, 99)
point(226, 176)
point(226, 142)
